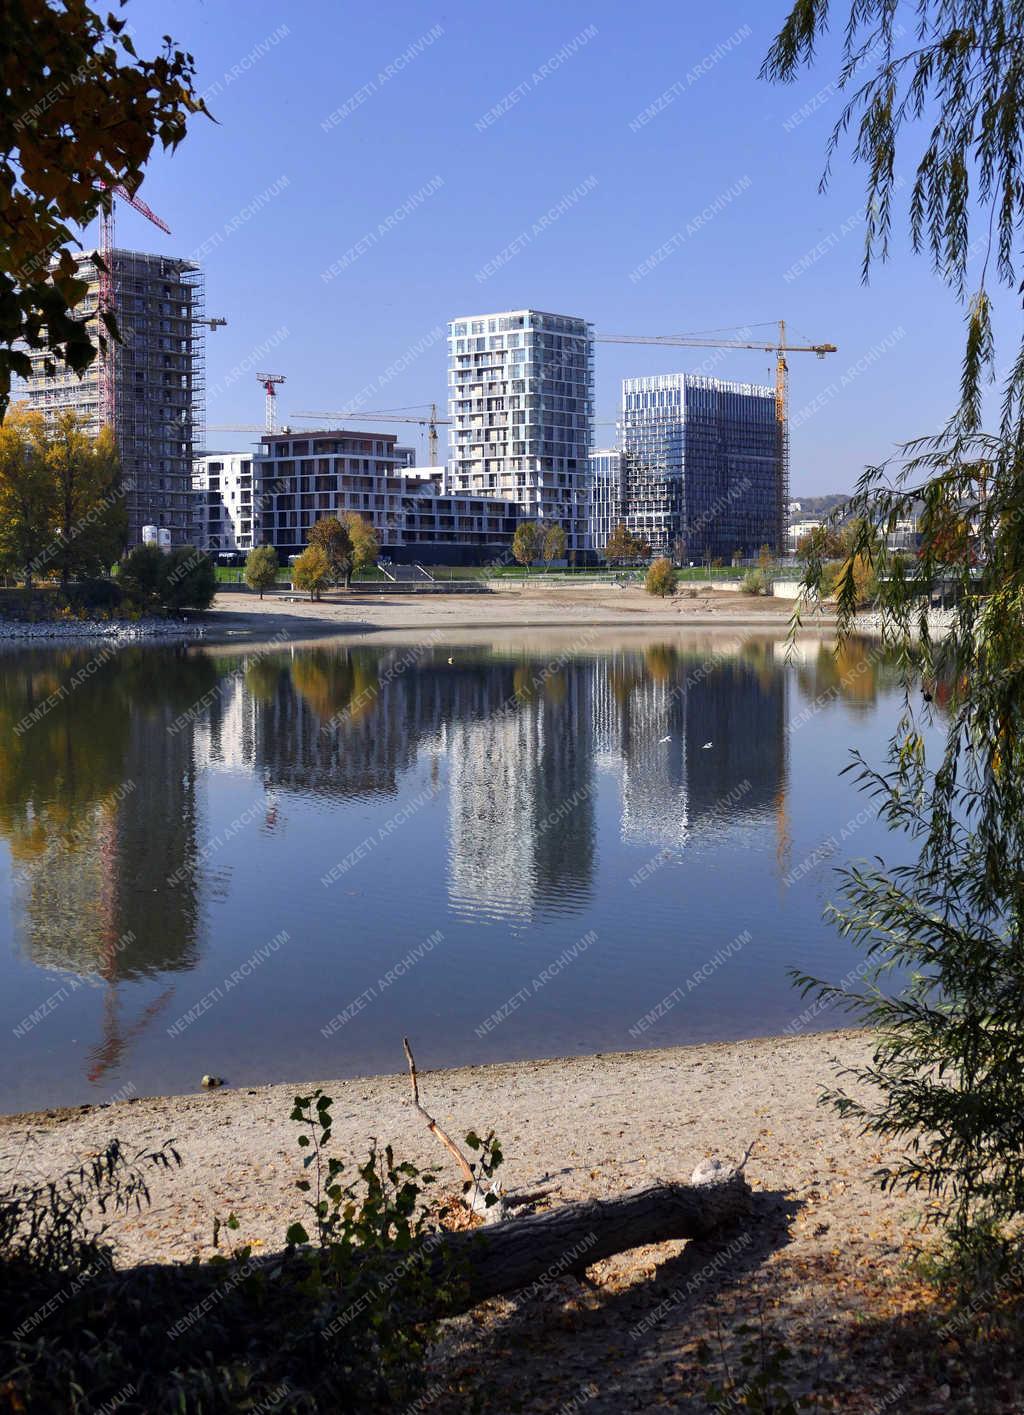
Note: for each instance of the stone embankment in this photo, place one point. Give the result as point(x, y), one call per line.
point(116, 630)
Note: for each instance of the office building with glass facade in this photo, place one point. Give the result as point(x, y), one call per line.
point(701, 473)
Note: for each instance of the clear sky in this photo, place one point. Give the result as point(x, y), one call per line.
point(376, 170)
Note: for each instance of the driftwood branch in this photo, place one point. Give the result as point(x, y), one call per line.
point(432, 1125)
point(475, 1196)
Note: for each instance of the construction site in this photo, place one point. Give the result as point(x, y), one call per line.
point(701, 469)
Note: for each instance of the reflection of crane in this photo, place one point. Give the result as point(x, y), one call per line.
point(780, 349)
point(269, 382)
point(431, 423)
point(107, 297)
point(108, 1054)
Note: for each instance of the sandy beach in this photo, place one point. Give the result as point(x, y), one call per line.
point(827, 1251)
point(238, 616)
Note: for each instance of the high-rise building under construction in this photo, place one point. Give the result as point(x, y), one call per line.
point(700, 459)
point(157, 376)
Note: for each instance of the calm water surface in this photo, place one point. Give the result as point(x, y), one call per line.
point(271, 865)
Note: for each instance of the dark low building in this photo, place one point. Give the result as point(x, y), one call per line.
point(298, 478)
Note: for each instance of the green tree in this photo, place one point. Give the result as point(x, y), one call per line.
point(527, 543)
point(661, 577)
point(332, 538)
point(365, 547)
point(554, 544)
point(948, 1074)
point(183, 578)
point(140, 573)
point(27, 500)
point(188, 579)
point(312, 571)
point(91, 522)
point(261, 568)
point(80, 112)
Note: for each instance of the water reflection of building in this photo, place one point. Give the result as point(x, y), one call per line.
point(94, 900)
point(520, 797)
point(655, 714)
point(491, 827)
point(522, 740)
point(117, 815)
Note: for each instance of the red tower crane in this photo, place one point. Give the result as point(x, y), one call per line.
point(107, 297)
point(269, 380)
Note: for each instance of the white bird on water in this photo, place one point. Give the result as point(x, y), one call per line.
point(706, 746)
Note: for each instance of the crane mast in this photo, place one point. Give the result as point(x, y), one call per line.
point(269, 382)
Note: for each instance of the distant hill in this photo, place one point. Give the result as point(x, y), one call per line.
point(811, 506)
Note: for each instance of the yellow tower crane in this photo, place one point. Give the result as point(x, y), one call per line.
point(431, 422)
point(780, 348)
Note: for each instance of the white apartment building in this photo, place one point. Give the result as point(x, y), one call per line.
point(799, 529)
point(606, 496)
point(223, 516)
point(521, 402)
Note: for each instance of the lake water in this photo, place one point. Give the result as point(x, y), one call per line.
point(273, 864)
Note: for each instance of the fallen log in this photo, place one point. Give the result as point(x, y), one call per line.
point(525, 1252)
point(468, 1267)
point(274, 1325)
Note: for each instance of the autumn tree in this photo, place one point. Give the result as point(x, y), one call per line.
point(527, 543)
point(312, 571)
point(332, 538)
point(824, 541)
point(553, 547)
point(661, 577)
point(80, 113)
point(942, 935)
point(261, 568)
point(623, 545)
point(90, 521)
point(27, 495)
point(365, 548)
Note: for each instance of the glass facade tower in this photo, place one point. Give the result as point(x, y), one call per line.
point(701, 475)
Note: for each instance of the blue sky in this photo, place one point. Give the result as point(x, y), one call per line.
point(338, 247)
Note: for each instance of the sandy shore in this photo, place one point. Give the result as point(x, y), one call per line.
point(825, 1253)
point(236, 616)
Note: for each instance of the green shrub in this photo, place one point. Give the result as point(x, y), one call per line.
point(139, 575)
point(261, 568)
point(184, 578)
point(337, 1321)
point(95, 594)
point(661, 577)
point(189, 579)
point(755, 582)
